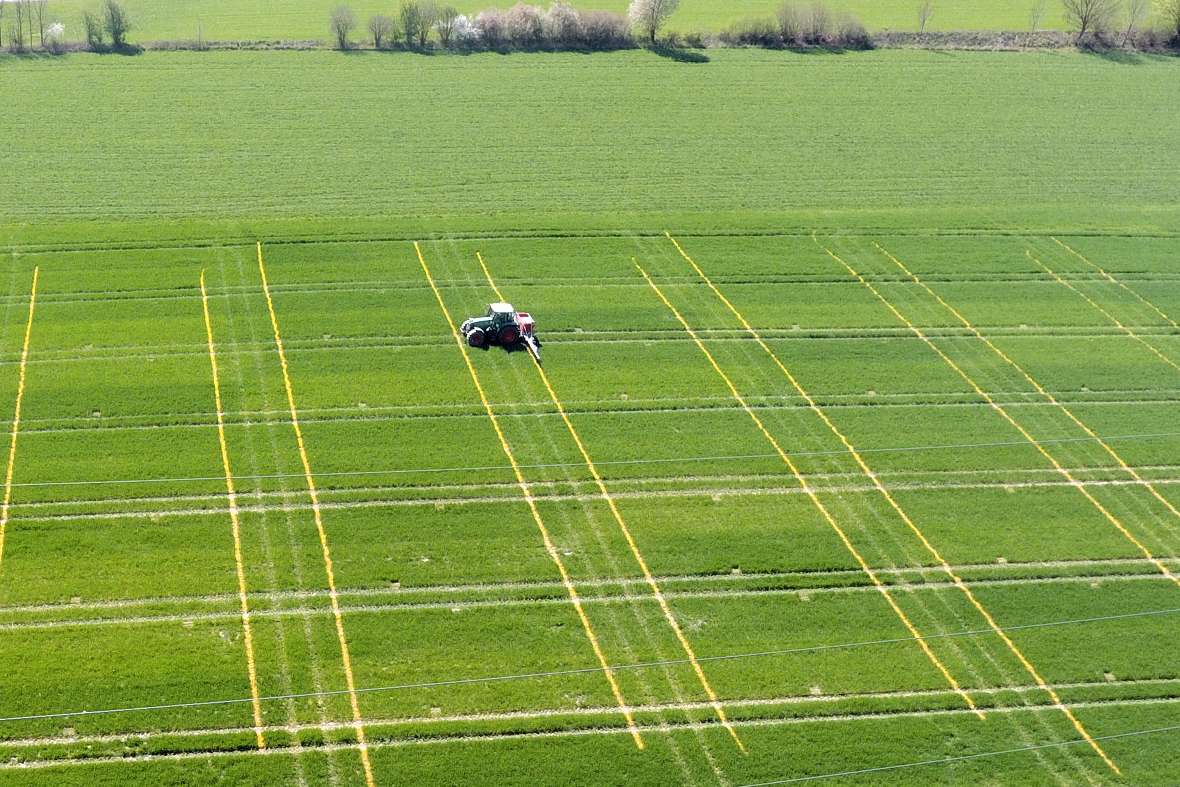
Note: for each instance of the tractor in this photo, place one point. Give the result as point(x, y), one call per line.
point(503, 326)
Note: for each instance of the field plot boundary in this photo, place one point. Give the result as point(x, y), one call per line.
point(235, 524)
point(15, 430)
point(526, 491)
point(346, 658)
point(652, 584)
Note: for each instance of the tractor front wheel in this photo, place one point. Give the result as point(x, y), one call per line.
point(477, 338)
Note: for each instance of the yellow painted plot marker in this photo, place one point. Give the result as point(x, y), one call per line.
point(232, 495)
point(815, 500)
point(1032, 671)
point(313, 494)
point(1040, 390)
point(658, 594)
point(20, 395)
point(526, 491)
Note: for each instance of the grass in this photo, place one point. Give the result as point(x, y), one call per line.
point(222, 20)
point(118, 586)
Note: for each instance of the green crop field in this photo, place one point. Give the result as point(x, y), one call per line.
point(853, 458)
point(308, 19)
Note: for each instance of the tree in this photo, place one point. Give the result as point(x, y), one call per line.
point(1171, 15)
point(94, 32)
point(55, 34)
point(17, 39)
point(650, 15)
point(1, 24)
point(790, 22)
point(342, 22)
point(491, 26)
point(561, 25)
point(524, 25)
point(116, 23)
point(411, 18)
point(429, 17)
point(1036, 15)
point(1137, 11)
point(924, 13)
point(448, 18)
point(381, 28)
point(39, 7)
point(1090, 16)
point(817, 28)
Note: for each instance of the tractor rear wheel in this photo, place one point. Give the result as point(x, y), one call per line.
point(477, 338)
point(509, 336)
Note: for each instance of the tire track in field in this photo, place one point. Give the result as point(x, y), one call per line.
point(599, 337)
point(282, 645)
point(714, 493)
point(700, 485)
point(627, 596)
point(763, 703)
point(615, 618)
point(291, 500)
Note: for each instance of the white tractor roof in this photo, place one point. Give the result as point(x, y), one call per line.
point(503, 308)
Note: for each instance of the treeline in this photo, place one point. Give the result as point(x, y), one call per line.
point(28, 25)
point(423, 24)
point(25, 24)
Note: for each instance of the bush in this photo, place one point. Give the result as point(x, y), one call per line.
point(753, 32)
point(852, 34)
point(492, 27)
point(94, 31)
point(694, 40)
point(817, 25)
point(523, 25)
point(790, 23)
point(606, 30)
point(562, 26)
point(465, 35)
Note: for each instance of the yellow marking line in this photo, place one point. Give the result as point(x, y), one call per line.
point(313, 494)
point(526, 491)
point(1105, 313)
point(631, 542)
point(20, 395)
point(1036, 385)
point(814, 497)
point(232, 495)
point(1032, 671)
point(1113, 280)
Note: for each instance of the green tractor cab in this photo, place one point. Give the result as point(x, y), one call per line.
point(502, 326)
